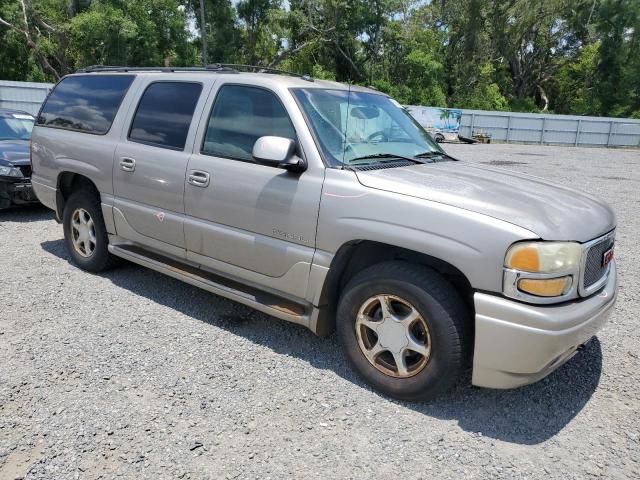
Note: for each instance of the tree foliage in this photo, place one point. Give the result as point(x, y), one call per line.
point(564, 56)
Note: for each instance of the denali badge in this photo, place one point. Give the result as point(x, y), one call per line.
point(288, 236)
point(607, 257)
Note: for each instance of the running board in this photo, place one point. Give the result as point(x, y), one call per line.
point(252, 297)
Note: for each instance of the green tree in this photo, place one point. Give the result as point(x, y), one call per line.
point(484, 93)
point(617, 83)
point(129, 32)
point(42, 28)
point(572, 87)
point(221, 29)
point(255, 15)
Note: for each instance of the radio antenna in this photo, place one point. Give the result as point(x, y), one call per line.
point(346, 123)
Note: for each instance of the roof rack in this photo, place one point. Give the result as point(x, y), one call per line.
point(260, 69)
point(108, 68)
point(214, 68)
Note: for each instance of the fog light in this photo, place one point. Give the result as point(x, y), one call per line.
point(550, 287)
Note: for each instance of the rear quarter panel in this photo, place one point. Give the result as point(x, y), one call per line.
point(58, 150)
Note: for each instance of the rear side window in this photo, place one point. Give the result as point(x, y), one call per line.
point(239, 117)
point(85, 103)
point(164, 114)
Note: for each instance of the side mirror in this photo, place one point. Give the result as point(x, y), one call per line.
point(278, 152)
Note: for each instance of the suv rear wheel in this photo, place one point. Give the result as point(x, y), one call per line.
point(402, 326)
point(85, 233)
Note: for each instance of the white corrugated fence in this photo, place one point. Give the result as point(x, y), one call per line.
point(545, 128)
point(25, 96)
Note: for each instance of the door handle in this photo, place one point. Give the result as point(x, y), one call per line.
point(127, 164)
point(198, 178)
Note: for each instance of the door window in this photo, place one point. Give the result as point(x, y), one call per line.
point(164, 114)
point(241, 115)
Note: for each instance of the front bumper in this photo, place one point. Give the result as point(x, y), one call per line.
point(16, 193)
point(517, 344)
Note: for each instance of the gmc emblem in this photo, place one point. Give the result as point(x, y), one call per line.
point(607, 257)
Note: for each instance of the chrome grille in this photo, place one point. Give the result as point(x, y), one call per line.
point(594, 269)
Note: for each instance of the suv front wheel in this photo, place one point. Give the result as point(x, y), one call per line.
point(402, 326)
point(85, 233)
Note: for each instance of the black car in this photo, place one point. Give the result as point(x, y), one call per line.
point(15, 165)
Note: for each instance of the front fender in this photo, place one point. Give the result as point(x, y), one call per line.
point(473, 243)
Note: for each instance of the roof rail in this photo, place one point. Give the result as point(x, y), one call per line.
point(260, 69)
point(215, 68)
point(108, 68)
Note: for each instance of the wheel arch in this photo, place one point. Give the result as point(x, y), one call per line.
point(356, 255)
point(69, 182)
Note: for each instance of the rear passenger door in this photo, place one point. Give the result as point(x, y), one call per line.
point(252, 221)
point(150, 164)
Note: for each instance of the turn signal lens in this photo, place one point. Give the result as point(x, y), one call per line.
point(544, 257)
point(550, 287)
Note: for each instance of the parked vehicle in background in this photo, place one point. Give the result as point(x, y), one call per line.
point(442, 136)
point(481, 136)
point(442, 123)
point(15, 165)
point(329, 206)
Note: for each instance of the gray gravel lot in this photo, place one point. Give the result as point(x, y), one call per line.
point(132, 374)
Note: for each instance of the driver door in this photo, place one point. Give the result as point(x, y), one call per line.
point(252, 221)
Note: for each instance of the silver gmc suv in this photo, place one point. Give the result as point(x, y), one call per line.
point(327, 206)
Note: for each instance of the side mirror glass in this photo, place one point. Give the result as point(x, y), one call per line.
point(277, 152)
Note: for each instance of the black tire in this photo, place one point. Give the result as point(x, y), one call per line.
point(439, 138)
point(440, 306)
point(100, 259)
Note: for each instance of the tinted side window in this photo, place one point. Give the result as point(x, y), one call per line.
point(85, 103)
point(164, 114)
point(240, 116)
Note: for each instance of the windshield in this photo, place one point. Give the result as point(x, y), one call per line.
point(16, 127)
point(359, 127)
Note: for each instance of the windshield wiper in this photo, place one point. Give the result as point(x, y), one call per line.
point(376, 156)
point(433, 154)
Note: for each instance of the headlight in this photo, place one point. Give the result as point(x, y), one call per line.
point(10, 172)
point(544, 257)
point(542, 272)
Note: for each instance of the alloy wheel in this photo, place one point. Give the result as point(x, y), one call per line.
point(83, 232)
point(393, 336)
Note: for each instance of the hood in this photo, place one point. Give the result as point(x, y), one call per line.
point(15, 152)
point(552, 212)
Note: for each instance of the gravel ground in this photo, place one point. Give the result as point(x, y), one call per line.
point(132, 374)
